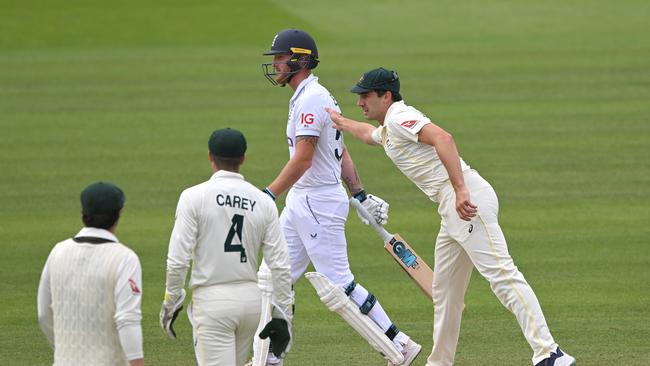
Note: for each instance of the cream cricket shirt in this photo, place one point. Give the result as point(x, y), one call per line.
point(89, 300)
point(307, 117)
point(419, 162)
point(221, 225)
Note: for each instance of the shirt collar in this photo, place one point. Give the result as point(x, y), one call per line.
point(226, 174)
point(96, 233)
point(392, 108)
point(303, 85)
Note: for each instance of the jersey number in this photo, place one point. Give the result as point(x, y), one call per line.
point(336, 151)
point(236, 229)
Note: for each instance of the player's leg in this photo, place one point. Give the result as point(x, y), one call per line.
point(451, 274)
point(214, 339)
point(488, 250)
point(322, 230)
point(247, 325)
point(297, 253)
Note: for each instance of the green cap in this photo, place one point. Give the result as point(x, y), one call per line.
point(227, 143)
point(377, 79)
point(102, 198)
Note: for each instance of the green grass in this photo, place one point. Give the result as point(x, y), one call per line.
point(548, 100)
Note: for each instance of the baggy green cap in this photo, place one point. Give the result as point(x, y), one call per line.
point(102, 198)
point(227, 143)
point(377, 79)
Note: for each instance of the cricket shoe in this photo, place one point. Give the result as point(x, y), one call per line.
point(410, 351)
point(558, 358)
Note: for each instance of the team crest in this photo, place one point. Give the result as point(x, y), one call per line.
point(134, 287)
point(409, 124)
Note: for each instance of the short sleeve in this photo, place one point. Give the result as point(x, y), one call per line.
point(377, 135)
point(408, 128)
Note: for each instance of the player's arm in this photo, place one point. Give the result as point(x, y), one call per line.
point(349, 174)
point(377, 207)
point(276, 257)
point(44, 306)
point(296, 166)
point(433, 135)
point(360, 130)
point(181, 245)
point(128, 314)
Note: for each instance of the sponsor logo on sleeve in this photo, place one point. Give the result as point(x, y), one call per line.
point(409, 124)
point(134, 287)
point(306, 118)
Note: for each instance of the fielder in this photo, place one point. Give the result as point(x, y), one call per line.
point(90, 291)
point(313, 220)
point(221, 225)
point(469, 236)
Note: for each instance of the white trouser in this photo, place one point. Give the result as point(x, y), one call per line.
point(313, 223)
point(224, 319)
point(462, 245)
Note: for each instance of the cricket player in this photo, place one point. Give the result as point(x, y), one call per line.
point(469, 236)
point(90, 291)
point(221, 225)
point(313, 219)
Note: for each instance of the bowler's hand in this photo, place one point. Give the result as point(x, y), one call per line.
point(337, 118)
point(278, 330)
point(465, 208)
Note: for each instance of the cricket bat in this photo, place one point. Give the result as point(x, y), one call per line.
point(401, 252)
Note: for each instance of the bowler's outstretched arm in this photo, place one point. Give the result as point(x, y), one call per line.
point(360, 130)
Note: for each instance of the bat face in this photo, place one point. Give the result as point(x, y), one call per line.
point(411, 263)
point(404, 253)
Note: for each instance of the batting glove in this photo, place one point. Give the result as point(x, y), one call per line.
point(279, 332)
point(168, 313)
point(377, 207)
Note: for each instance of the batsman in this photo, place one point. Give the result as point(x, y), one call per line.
point(470, 235)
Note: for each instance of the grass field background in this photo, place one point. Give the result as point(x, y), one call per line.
point(549, 100)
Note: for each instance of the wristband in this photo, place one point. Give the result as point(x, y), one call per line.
point(268, 191)
point(360, 196)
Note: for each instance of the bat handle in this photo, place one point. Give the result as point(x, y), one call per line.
point(366, 215)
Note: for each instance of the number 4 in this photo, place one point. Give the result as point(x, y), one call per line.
point(236, 228)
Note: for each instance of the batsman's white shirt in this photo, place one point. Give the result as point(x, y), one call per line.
point(222, 224)
point(419, 162)
point(307, 117)
point(313, 220)
point(89, 300)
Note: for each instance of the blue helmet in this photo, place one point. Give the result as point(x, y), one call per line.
point(297, 43)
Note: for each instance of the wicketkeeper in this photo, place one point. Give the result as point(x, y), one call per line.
point(221, 225)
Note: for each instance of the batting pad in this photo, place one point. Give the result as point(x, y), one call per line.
point(337, 301)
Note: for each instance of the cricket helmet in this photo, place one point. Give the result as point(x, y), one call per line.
point(297, 43)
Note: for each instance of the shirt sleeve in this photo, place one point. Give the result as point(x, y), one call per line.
point(44, 305)
point(276, 256)
point(408, 127)
point(311, 117)
point(181, 246)
point(128, 300)
point(377, 135)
